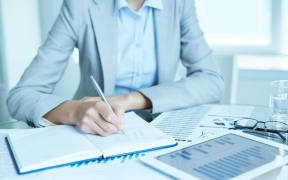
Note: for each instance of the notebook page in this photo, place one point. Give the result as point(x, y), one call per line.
point(52, 146)
point(6, 163)
point(122, 168)
point(7, 167)
point(92, 170)
point(138, 135)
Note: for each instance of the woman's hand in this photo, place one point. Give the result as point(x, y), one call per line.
point(92, 115)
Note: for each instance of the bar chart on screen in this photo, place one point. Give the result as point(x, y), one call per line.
point(221, 158)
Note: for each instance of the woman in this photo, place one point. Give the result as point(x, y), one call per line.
point(132, 48)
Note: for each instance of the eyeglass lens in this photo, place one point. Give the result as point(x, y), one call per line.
point(246, 122)
point(271, 125)
point(278, 126)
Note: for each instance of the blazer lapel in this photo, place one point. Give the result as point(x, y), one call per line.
point(163, 41)
point(104, 21)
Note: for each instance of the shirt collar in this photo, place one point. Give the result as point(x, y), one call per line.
point(121, 4)
point(157, 4)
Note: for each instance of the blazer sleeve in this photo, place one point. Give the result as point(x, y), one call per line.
point(32, 97)
point(203, 83)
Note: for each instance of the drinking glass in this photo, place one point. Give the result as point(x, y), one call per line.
point(279, 102)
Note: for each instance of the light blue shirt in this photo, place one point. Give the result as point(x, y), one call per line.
point(137, 60)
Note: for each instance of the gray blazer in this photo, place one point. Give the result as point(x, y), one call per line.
point(91, 26)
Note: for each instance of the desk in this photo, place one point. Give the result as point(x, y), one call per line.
point(272, 175)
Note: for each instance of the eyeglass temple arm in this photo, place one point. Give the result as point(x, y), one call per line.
point(282, 137)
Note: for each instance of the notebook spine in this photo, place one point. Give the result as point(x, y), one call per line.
point(122, 159)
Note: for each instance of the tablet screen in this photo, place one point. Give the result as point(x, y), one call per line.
point(221, 158)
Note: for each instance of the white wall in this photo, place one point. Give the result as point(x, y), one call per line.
point(229, 70)
point(284, 49)
point(3, 114)
point(254, 85)
point(21, 36)
point(1, 50)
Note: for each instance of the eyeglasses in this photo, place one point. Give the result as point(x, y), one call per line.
point(266, 126)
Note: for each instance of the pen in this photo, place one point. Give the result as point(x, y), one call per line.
point(101, 94)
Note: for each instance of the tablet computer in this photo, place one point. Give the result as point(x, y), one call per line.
point(231, 155)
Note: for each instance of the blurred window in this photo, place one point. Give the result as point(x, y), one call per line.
point(236, 22)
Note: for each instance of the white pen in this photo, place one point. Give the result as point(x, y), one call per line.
point(101, 94)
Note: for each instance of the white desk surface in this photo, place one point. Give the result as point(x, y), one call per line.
point(131, 170)
point(112, 170)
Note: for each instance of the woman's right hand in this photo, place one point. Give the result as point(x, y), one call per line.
point(90, 114)
point(94, 117)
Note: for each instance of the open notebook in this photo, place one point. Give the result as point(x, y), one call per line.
point(63, 145)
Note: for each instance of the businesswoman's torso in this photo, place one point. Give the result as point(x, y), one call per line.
point(125, 51)
point(121, 47)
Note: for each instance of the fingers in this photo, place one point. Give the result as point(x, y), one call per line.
point(118, 111)
point(86, 128)
point(105, 126)
point(108, 114)
point(97, 124)
point(92, 128)
point(96, 118)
